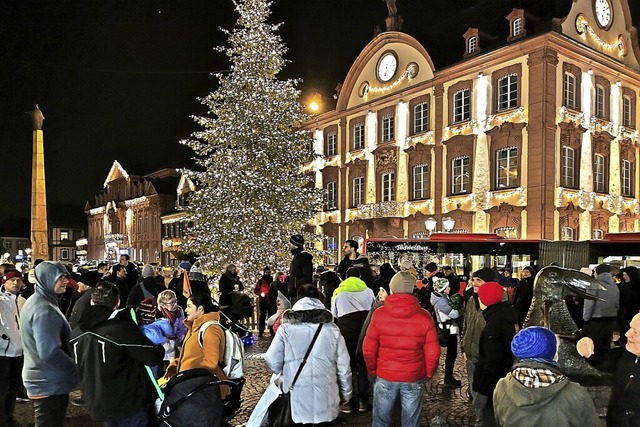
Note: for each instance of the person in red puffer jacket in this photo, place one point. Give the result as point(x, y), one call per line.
point(400, 350)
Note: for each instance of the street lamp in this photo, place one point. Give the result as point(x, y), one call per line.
point(448, 223)
point(430, 224)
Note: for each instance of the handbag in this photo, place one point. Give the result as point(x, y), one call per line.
point(280, 410)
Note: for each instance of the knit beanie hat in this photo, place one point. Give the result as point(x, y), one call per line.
point(282, 301)
point(402, 282)
point(486, 274)
point(534, 342)
point(11, 274)
point(147, 270)
point(440, 284)
point(297, 240)
point(490, 293)
point(603, 268)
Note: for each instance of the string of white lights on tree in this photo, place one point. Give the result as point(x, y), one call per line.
point(251, 195)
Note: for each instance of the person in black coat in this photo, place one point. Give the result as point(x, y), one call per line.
point(117, 277)
point(383, 279)
point(226, 284)
point(524, 294)
point(329, 282)
point(138, 294)
point(280, 285)
point(301, 268)
point(112, 348)
point(623, 362)
point(495, 358)
point(353, 258)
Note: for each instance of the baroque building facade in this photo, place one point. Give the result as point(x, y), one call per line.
point(534, 139)
point(124, 218)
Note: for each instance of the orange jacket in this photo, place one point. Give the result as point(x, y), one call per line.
point(211, 352)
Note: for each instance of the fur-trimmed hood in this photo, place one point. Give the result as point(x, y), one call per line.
point(307, 310)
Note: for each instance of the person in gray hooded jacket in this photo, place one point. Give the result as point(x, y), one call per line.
point(49, 372)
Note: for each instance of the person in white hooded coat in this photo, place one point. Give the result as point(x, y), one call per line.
point(326, 378)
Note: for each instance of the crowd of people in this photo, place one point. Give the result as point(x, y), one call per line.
point(350, 340)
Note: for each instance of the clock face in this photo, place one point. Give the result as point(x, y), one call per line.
point(387, 67)
point(604, 15)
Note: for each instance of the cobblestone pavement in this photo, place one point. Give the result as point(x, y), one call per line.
point(452, 404)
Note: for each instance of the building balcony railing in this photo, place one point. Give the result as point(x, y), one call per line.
point(381, 210)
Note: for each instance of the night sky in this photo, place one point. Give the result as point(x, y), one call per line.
point(119, 79)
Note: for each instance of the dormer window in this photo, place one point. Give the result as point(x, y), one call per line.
point(516, 24)
point(472, 41)
point(473, 44)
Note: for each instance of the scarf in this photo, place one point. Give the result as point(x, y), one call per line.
point(537, 377)
point(172, 316)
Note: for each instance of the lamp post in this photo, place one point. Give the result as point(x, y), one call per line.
point(448, 223)
point(430, 224)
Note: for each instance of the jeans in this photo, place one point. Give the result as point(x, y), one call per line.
point(51, 410)
point(140, 419)
point(385, 394)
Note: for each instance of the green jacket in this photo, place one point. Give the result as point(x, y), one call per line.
point(564, 403)
point(472, 328)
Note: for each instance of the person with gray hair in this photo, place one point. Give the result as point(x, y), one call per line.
point(49, 373)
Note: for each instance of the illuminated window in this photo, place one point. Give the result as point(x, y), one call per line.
point(566, 233)
point(598, 234)
point(568, 167)
point(387, 127)
point(507, 168)
point(598, 173)
point(461, 110)
point(517, 27)
point(627, 173)
point(332, 144)
point(473, 44)
point(358, 136)
point(508, 92)
point(358, 190)
point(570, 99)
point(420, 181)
point(64, 235)
point(460, 175)
point(332, 196)
point(332, 249)
point(388, 187)
point(421, 118)
point(600, 101)
point(626, 111)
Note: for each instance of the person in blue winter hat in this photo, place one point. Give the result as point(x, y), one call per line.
point(536, 392)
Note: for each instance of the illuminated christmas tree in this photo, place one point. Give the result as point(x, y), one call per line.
point(251, 194)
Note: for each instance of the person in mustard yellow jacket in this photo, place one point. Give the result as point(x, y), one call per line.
point(208, 352)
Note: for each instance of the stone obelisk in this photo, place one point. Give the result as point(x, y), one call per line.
point(39, 229)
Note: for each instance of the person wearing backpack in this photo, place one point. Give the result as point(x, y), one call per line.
point(201, 351)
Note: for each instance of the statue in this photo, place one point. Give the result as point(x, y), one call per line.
point(391, 7)
point(36, 118)
point(548, 308)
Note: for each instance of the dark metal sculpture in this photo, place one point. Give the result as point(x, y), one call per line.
point(548, 308)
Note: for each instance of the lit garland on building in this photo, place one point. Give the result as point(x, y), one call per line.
point(463, 129)
point(250, 196)
point(583, 27)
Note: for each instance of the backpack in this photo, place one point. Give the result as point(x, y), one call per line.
point(146, 310)
point(233, 350)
